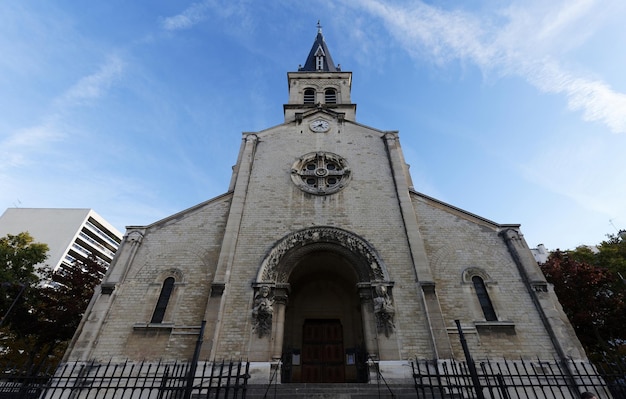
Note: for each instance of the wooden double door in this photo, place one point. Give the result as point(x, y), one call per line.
point(322, 351)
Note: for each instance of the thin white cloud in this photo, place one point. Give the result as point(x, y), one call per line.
point(194, 14)
point(15, 149)
point(522, 41)
point(201, 11)
point(93, 86)
point(26, 144)
point(594, 98)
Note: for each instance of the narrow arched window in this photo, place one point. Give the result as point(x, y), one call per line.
point(483, 299)
point(309, 96)
point(330, 96)
point(164, 298)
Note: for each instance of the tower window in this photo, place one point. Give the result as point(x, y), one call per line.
point(330, 96)
point(164, 298)
point(309, 96)
point(483, 299)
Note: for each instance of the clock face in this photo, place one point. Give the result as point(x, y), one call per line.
point(319, 125)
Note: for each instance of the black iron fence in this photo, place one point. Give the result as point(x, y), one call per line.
point(512, 379)
point(133, 380)
point(493, 379)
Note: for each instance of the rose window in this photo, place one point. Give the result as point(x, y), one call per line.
point(320, 173)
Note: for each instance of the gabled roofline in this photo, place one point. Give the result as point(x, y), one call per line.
point(466, 214)
point(181, 213)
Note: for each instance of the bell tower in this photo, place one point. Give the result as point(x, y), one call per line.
point(319, 84)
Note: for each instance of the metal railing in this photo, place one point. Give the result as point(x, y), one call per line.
point(128, 380)
point(512, 379)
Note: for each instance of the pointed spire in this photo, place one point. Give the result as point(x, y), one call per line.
point(319, 59)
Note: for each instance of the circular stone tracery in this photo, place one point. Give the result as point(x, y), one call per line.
point(320, 173)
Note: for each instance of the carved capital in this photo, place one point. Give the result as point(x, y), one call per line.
point(217, 289)
point(107, 288)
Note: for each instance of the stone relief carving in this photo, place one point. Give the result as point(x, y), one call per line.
point(384, 311)
point(262, 311)
point(269, 267)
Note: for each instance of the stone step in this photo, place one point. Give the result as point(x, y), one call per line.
point(335, 391)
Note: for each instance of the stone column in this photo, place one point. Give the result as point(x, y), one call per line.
point(278, 325)
point(423, 275)
point(561, 332)
point(88, 332)
point(219, 286)
point(439, 333)
point(368, 320)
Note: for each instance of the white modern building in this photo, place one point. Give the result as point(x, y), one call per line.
point(70, 233)
point(540, 253)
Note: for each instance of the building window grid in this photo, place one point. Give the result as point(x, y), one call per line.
point(95, 243)
point(78, 248)
point(103, 234)
point(85, 252)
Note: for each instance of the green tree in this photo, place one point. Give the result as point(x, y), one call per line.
point(18, 256)
point(612, 254)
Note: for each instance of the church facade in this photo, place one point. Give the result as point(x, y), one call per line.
point(321, 258)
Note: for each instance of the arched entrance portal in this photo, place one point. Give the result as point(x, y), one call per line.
point(326, 285)
point(323, 340)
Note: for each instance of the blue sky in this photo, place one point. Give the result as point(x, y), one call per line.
point(512, 110)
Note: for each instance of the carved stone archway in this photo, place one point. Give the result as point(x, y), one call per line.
point(360, 260)
point(278, 264)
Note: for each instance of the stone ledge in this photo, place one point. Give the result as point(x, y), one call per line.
point(153, 326)
point(487, 327)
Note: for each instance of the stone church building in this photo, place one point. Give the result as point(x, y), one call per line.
point(322, 258)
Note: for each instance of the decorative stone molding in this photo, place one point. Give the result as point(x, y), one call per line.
point(427, 286)
point(217, 289)
point(511, 234)
point(107, 288)
point(369, 265)
point(495, 327)
point(470, 272)
point(177, 274)
point(539, 286)
point(168, 327)
point(134, 237)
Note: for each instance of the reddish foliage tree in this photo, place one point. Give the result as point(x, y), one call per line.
point(592, 298)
